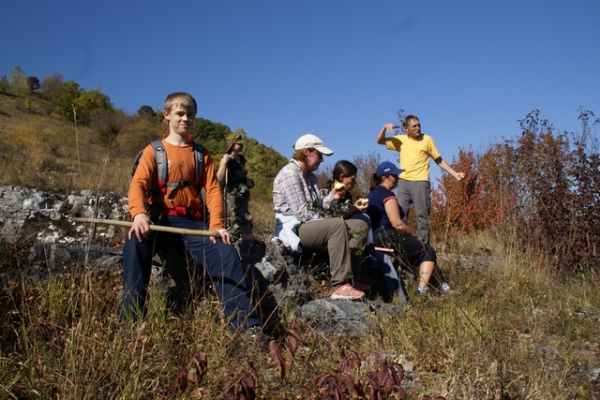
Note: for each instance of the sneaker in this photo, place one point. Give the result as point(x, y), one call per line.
point(347, 292)
point(361, 286)
point(447, 290)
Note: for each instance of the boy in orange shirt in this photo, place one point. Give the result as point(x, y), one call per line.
point(181, 207)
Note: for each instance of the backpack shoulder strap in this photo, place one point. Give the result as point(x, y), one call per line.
point(160, 156)
point(199, 159)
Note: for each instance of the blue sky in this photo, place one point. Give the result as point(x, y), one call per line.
point(338, 69)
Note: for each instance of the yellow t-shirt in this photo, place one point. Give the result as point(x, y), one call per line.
point(414, 155)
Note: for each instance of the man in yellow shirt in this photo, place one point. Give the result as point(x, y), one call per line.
point(414, 186)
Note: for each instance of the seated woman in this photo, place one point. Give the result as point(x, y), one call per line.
point(338, 203)
point(389, 230)
point(299, 219)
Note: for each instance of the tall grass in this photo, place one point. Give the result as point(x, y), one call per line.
point(515, 331)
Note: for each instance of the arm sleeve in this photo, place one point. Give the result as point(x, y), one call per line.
point(393, 143)
point(298, 200)
point(214, 198)
point(433, 151)
point(142, 182)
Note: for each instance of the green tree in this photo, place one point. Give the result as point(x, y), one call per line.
point(158, 116)
point(4, 85)
point(64, 104)
point(210, 134)
point(19, 81)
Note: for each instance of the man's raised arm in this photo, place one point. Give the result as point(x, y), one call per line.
point(381, 135)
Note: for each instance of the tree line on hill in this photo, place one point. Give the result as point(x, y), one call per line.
point(67, 100)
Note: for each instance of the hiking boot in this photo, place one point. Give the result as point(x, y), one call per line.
point(257, 337)
point(361, 286)
point(347, 292)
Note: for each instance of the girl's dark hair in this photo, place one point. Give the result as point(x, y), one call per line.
point(375, 181)
point(343, 167)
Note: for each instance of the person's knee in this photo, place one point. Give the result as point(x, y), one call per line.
point(430, 254)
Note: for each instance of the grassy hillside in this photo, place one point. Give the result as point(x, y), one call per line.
point(516, 330)
point(40, 149)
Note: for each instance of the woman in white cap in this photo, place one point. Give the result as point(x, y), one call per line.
point(300, 219)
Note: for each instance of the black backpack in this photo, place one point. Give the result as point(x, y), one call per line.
point(162, 166)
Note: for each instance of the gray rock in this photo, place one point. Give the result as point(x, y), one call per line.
point(41, 219)
point(57, 256)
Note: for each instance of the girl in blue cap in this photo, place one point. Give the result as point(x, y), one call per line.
point(391, 232)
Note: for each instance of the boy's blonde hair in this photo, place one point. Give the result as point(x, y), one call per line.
point(181, 99)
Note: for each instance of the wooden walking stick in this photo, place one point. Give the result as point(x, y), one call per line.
point(158, 228)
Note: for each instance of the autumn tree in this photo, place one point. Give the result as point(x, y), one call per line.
point(146, 110)
point(52, 87)
point(34, 84)
point(135, 136)
point(541, 187)
point(366, 165)
point(89, 105)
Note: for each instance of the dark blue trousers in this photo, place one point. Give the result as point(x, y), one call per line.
point(220, 261)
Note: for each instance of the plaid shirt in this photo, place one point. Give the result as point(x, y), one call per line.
point(294, 195)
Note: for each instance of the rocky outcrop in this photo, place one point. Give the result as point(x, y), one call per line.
point(43, 216)
point(40, 221)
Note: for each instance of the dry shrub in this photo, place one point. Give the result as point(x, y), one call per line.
point(263, 217)
point(545, 182)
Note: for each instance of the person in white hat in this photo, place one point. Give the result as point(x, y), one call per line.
point(300, 219)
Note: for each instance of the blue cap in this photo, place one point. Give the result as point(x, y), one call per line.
point(387, 168)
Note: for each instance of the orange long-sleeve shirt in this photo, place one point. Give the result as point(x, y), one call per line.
point(181, 166)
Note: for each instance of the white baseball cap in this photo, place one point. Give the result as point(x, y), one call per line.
point(309, 141)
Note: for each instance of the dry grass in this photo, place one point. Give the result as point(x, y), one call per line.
point(518, 330)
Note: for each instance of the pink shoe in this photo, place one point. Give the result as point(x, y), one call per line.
point(347, 292)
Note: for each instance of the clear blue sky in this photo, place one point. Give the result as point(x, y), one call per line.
point(339, 69)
